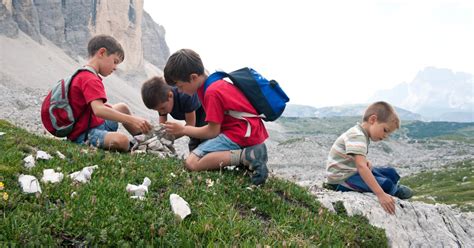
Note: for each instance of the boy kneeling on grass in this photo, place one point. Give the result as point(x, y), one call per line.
point(348, 168)
point(227, 142)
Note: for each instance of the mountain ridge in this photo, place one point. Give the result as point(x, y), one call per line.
point(296, 110)
point(438, 94)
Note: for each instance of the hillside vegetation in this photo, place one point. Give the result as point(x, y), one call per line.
point(463, 132)
point(228, 213)
point(453, 185)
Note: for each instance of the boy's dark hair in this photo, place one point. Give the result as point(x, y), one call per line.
point(155, 91)
point(181, 65)
point(106, 41)
point(384, 111)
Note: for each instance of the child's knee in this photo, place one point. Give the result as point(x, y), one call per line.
point(191, 162)
point(122, 107)
point(117, 141)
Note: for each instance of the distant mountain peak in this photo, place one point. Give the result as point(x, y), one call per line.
point(435, 93)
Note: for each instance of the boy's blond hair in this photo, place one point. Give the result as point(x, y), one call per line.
point(384, 111)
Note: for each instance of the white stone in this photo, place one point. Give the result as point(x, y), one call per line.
point(29, 184)
point(60, 155)
point(179, 206)
point(84, 175)
point(43, 155)
point(49, 176)
point(29, 162)
point(138, 190)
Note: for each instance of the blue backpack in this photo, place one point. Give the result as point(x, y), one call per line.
point(266, 96)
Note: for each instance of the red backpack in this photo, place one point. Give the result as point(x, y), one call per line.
point(56, 111)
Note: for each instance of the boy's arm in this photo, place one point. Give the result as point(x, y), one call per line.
point(190, 118)
point(162, 118)
point(107, 113)
point(387, 202)
point(209, 131)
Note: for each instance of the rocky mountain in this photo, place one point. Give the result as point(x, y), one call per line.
point(45, 40)
point(293, 110)
point(70, 24)
point(435, 93)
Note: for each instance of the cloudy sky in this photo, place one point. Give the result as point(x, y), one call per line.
point(323, 53)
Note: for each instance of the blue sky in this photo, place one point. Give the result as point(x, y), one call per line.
point(323, 52)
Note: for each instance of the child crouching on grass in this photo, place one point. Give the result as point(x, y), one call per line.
point(348, 168)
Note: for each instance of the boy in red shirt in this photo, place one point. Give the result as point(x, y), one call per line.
point(98, 121)
point(226, 143)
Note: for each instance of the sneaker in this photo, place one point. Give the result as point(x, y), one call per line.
point(329, 186)
point(404, 192)
point(257, 158)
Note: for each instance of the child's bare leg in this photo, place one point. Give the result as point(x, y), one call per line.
point(210, 161)
point(123, 108)
point(116, 141)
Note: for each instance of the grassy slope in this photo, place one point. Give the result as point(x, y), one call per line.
point(451, 185)
point(101, 213)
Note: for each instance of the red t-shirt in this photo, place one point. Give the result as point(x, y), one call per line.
point(221, 96)
point(85, 88)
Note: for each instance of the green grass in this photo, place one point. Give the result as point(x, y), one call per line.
point(453, 185)
point(463, 132)
point(102, 214)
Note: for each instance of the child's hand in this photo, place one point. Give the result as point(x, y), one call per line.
point(387, 202)
point(369, 165)
point(142, 124)
point(174, 128)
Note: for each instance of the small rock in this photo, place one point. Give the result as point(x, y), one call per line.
point(43, 155)
point(139, 191)
point(60, 155)
point(179, 206)
point(29, 184)
point(29, 162)
point(52, 177)
point(84, 175)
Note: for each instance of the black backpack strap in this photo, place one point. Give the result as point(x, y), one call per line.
point(88, 127)
point(92, 70)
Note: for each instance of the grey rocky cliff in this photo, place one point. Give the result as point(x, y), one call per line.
point(70, 24)
point(153, 40)
point(8, 26)
point(25, 15)
point(45, 40)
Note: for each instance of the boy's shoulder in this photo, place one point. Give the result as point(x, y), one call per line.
point(85, 77)
point(354, 131)
point(221, 87)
